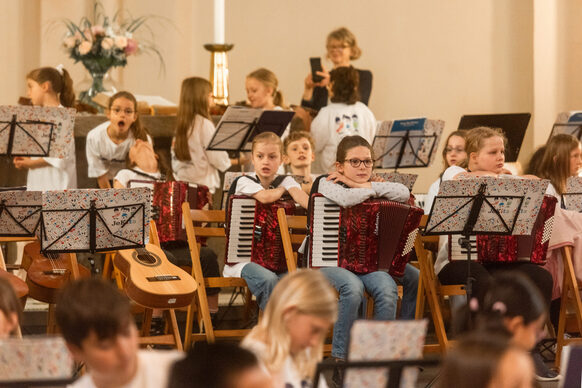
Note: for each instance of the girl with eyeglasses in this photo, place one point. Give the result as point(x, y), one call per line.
point(453, 155)
point(345, 116)
point(109, 142)
point(342, 48)
point(351, 184)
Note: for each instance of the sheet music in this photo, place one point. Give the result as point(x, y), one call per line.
point(19, 213)
point(39, 131)
point(417, 151)
point(34, 358)
point(573, 129)
point(499, 192)
point(382, 341)
point(573, 196)
point(407, 180)
point(232, 128)
point(122, 219)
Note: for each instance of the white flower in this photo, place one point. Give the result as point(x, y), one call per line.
point(107, 43)
point(85, 47)
point(70, 42)
point(120, 41)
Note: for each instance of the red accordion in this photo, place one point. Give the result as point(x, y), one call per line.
point(377, 234)
point(252, 232)
point(167, 202)
point(512, 249)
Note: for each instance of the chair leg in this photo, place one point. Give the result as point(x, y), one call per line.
point(171, 317)
point(420, 297)
point(147, 322)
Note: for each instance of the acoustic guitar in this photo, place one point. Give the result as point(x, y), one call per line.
point(152, 281)
point(46, 275)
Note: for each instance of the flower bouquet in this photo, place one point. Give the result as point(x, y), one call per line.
point(103, 42)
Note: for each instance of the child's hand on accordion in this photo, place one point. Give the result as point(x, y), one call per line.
point(336, 177)
point(377, 178)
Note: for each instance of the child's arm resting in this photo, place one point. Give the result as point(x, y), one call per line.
point(391, 190)
point(299, 196)
point(270, 195)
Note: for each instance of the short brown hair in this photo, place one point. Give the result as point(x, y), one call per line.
point(92, 304)
point(345, 36)
point(297, 135)
point(345, 81)
point(269, 138)
point(349, 142)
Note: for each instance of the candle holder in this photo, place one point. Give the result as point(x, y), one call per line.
point(219, 72)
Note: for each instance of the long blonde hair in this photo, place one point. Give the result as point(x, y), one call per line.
point(555, 164)
point(269, 79)
point(193, 102)
point(307, 291)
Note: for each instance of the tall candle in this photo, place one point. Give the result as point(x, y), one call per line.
point(219, 21)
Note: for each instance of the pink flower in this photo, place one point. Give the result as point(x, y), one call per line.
point(131, 47)
point(120, 42)
point(85, 47)
point(107, 43)
point(97, 30)
point(70, 42)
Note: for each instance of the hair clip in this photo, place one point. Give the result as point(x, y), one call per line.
point(60, 69)
point(499, 307)
point(474, 305)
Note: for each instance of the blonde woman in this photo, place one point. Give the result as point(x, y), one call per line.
point(288, 340)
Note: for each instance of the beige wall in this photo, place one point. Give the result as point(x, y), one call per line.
point(440, 59)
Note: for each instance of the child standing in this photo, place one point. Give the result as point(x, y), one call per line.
point(266, 156)
point(345, 116)
point(350, 185)
point(288, 340)
point(49, 86)
point(191, 161)
point(108, 143)
point(263, 91)
point(298, 155)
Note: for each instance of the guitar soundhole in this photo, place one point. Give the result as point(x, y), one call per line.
point(146, 258)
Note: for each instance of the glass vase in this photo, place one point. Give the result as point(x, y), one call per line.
point(100, 82)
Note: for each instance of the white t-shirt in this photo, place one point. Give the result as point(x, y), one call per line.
point(204, 165)
point(333, 123)
point(126, 175)
point(289, 376)
point(433, 191)
point(103, 155)
point(153, 370)
point(249, 187)
point(61, 174)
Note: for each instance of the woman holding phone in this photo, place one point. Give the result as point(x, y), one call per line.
point(341, 49)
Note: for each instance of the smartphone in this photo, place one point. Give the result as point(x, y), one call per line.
point(315, 67)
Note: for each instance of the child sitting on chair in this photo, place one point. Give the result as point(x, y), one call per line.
point(96, 323)
point(267, 152)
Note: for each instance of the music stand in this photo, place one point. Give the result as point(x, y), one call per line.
point(572, 198)
point(19, 212)
point(239, 125)
point(573, 128)
point(36, 131)
point(94, 220)
point(513, 125)
point(407, 143)
point(485, 206)
point(407, 180)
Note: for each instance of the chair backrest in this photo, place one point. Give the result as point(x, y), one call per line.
point(293, 231)
point(204, 217)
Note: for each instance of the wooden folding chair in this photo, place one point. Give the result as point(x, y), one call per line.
point(430, 287)
point(570, 307)
point(199, 305)
point(293, 231)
